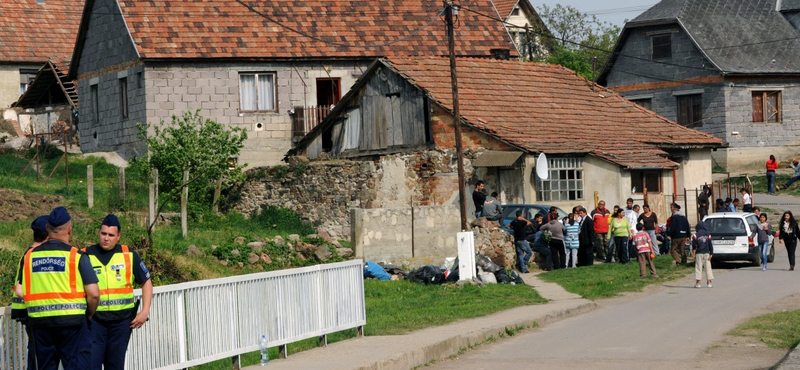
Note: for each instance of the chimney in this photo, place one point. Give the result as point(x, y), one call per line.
point(502, 54)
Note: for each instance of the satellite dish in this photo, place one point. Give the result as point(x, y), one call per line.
point(541, 167)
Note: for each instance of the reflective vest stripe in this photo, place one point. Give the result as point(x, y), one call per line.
point(57, 307)
point(73, 282)
point(43, 296)
point(17, 300)
point(117, 302)
point(128, 290)
point(126, 253)
point(27, 273)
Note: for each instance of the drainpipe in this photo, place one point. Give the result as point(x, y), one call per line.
point(674, 185)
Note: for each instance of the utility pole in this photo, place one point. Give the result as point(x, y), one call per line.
point(529, 42)
point(462, 200)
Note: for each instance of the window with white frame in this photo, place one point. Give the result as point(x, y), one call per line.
point(565, 181)
point(257, 92)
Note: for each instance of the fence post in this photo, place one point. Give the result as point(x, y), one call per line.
point(122, 184)
point(729, 185)
point(151, 206)
point(217, 192)
point(685, 201)
point(90, 185)
point(184, 201)
point(155, 183)
point(697, 204)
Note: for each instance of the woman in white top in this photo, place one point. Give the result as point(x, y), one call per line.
point(747, 201)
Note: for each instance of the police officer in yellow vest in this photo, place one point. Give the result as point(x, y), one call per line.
point(117, 268)
point(60, 292)
point(18, 311)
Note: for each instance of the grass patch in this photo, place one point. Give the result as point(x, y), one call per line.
point(760, 184)
point(399, 307)
point(776, 330)
point(607, 280)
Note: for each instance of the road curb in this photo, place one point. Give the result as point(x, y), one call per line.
point(789, 362)
point(458, 342)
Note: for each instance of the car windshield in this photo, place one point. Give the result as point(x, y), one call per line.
point(726, 226)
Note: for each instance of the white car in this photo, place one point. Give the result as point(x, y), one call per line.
point(734, 238)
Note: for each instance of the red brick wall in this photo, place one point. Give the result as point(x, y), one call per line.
point(444, 134)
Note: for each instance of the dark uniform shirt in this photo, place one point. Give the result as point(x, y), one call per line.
point(140, 276)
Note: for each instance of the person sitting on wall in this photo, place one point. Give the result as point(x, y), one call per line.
point(491, 208)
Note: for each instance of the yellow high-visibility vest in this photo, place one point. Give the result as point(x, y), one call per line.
point(17, 304)
point(114, 281)
point(52, 284)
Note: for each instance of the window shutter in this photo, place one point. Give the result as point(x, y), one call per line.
point(758, 107)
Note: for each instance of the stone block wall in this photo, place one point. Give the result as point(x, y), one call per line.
point(417, 236)
point(323, 192)
point(411, 236)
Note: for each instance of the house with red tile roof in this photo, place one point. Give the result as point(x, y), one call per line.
point(596, 142)
point(523, 24)
point(33, 32)
point(273, 68)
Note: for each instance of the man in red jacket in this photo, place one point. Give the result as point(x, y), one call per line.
point(600, 221)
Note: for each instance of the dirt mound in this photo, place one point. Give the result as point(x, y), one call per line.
point(16, 205)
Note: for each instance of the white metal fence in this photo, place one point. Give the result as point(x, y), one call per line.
point(203, 321)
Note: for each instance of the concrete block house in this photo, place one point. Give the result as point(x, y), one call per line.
point(34, 33)
point(729, 68)
point(274, 68)
point(512, 111)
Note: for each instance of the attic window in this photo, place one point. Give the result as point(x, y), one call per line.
point(40, 2)
point(662, 46)
point(515, 11)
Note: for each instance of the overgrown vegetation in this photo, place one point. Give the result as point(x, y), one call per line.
point(204, 147)
point(399, 307)
point(607, 280)
point(582, 42)
point(776, 330)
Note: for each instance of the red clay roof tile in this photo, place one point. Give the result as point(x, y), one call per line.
point(548, 108)
point(228, 29)
point(33, 33)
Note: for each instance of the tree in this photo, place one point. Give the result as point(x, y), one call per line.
point(204, 147)
point(582, 39)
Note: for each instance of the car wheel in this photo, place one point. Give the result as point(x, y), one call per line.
point(771, 256)
point(756, 260)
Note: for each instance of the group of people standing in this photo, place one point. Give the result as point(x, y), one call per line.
point(582, 237)
point(78, 305)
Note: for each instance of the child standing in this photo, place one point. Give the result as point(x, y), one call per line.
point(764, 229)
point(642, 242)
point(571, 241)
point(702, 251)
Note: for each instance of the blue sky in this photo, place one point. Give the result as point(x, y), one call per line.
point(614, 11)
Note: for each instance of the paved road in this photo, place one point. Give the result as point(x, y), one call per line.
point(779, 202)
point(668, 329)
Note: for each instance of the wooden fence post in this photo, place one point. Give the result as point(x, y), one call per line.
point(155, 183)
point(184, 202)
point(122, 184)
point(151, 205)
point(90, 185)
point(217, 192)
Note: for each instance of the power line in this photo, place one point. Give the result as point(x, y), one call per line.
point(587, 46)
point(628, 9)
